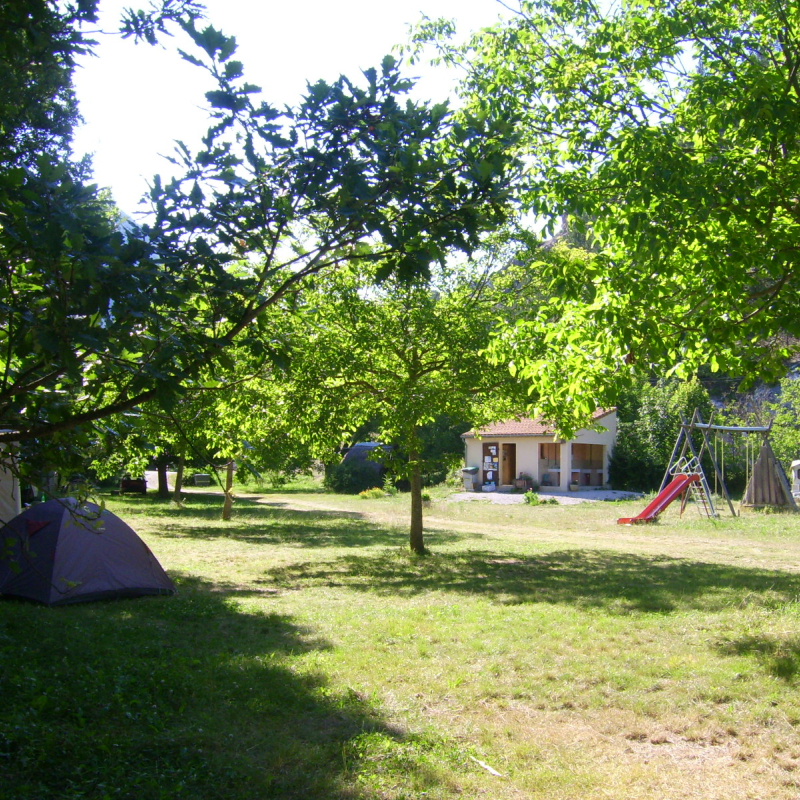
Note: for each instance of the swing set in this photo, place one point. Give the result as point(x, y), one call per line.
point(685, 478)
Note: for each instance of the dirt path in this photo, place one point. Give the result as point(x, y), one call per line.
point(719, 543)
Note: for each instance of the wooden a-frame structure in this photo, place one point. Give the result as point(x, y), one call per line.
point(767, 486)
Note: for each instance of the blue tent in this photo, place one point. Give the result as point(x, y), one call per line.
point(61, 552)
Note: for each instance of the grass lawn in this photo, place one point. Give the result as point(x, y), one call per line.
point(307, 655)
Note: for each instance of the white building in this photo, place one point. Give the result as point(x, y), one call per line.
point(518, 448)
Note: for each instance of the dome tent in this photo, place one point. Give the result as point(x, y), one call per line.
point(59, 552)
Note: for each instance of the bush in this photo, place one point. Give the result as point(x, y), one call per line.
point(649, 422)
point(454, 479)
point(531, 498)
point(372, 494)
point(426, 498)
point(351, 477)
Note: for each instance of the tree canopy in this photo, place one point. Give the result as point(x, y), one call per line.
point(97, 318)
point(401, 354)
point(670, 129)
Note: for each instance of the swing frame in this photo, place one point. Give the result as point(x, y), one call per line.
point(705, 428)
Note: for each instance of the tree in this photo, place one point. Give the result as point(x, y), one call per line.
point(649, 421)
point(673, 127)
point(233, 419)
point(97, 321)
point(37, 53)
point(401, 353)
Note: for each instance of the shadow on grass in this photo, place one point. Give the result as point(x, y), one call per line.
point(310, 487)
point(184, 697)
point(273, 523)
point(618, 582)
point(780, 657)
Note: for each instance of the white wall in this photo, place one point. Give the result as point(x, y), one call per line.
point(527, 452)
point(528, 449)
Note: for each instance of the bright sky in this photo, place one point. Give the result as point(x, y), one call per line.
point(137, 100)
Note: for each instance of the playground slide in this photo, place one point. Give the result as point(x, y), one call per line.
point(678, 485)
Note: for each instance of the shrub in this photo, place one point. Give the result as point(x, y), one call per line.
point(533, 499)
point(351, 477)
point(649, 421)
point(372, 494)
point(426, 498)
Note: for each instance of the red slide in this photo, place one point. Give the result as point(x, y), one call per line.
point(678, 485)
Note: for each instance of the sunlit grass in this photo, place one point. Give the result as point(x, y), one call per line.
point(308, 655)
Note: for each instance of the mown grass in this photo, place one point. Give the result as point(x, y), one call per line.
point(307, 655)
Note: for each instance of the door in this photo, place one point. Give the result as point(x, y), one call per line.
point(509, 464)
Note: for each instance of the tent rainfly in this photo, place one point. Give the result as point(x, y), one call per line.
point(59, 552)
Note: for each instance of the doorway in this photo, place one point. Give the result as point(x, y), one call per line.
point(508, 471)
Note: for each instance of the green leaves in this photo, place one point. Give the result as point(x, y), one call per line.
point(101, 317)
point(671, 129)
point(213, 42)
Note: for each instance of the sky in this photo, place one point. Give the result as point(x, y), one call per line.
point(136, 100)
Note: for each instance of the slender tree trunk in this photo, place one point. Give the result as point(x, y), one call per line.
point(416, 542)
point(176, 497)
point(226, 508)
point(163, 486)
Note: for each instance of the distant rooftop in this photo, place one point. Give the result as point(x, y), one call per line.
point(524, 426)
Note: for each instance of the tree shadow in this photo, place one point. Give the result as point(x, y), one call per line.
point(186, 697)
point(270, 525)
point(779, 656)
point(301, 488)
point(277, 523)
point(617, 582)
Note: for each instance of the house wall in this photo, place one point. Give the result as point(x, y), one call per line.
point(528, 450)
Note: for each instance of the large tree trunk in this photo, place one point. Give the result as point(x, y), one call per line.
point(416, 542)
point(163, 485)
point(226, 508)
point(176, 496)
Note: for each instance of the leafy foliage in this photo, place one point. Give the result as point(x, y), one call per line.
point(785, 434)
point(37, 54)
point(672, 127)
point(352, 477)
point(441, 449)
point(649, 422)
point(98, 320)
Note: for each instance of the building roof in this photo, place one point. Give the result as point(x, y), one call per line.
point(524, 426)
